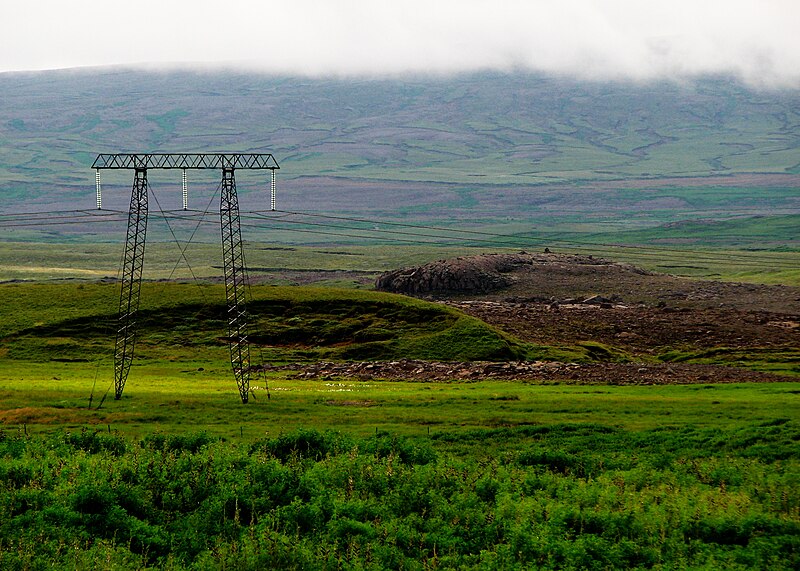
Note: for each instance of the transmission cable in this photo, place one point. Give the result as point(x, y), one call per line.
point(515, 241)
point(51, 220)
point(199, 222)
point(491, 239)
point(174, 237)
point(509, 236)
point(510, 242)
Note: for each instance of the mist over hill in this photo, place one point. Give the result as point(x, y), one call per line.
point(495, 147)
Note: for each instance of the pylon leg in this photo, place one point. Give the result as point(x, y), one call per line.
point(235, 282)
point(131, 281)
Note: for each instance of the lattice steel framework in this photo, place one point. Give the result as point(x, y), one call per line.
point(131, 281)
point(235, 282)
point(232, 250)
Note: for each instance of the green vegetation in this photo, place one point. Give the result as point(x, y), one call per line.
point(337, 473)
point(179, 396)
point(691, 492)
point(763, 232)
point(287, 265)
point(511, 151)
point(334, 473)
point(49, 261)
point(781, 360)
point(187, 322)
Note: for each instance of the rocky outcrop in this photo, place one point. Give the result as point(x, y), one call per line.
point(442, 277)
point(474, 274)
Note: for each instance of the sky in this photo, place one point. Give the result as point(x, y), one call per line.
point(755, 41)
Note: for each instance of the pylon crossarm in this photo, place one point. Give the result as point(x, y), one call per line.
point(193, 161)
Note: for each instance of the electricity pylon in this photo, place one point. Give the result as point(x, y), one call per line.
point(232, 251)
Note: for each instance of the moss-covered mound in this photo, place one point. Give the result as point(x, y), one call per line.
point(69, 321)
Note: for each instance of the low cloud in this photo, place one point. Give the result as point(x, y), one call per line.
point(638, 40)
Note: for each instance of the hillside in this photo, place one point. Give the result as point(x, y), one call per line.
point(510, 151)
point(187, 322)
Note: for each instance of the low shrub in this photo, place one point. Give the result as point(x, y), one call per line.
point(568, 496)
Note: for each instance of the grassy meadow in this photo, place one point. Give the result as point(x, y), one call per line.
point(332, 474)
point(336, 473)
point(285, 264)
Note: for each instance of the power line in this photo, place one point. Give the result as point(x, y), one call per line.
point(663, 255)
point(51, 212)
point(496, 240)
point(197, 226)
point(63, 217)
point(514, 236)
point(181, 249)
point(517, 241)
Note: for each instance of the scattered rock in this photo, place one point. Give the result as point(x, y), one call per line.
point(597, 300)
point(533, 371)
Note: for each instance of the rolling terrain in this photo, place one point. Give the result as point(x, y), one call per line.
point(453, 463)
point(514, 152)
point(624, 398)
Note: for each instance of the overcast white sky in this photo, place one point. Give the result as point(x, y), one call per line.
point(757, 41)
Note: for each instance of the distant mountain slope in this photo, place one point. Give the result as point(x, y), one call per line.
point(498, 146)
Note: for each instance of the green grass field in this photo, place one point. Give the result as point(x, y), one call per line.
point(372, 475)
point(178, 397)
point(57, 339)
point(336, 473)
point(36, 261)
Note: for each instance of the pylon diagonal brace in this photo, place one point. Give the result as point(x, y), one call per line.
point(131, 281)
point(235, 282)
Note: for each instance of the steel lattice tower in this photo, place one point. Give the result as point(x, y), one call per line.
point(235, 282)
point(232, 250)
point(131, 281)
